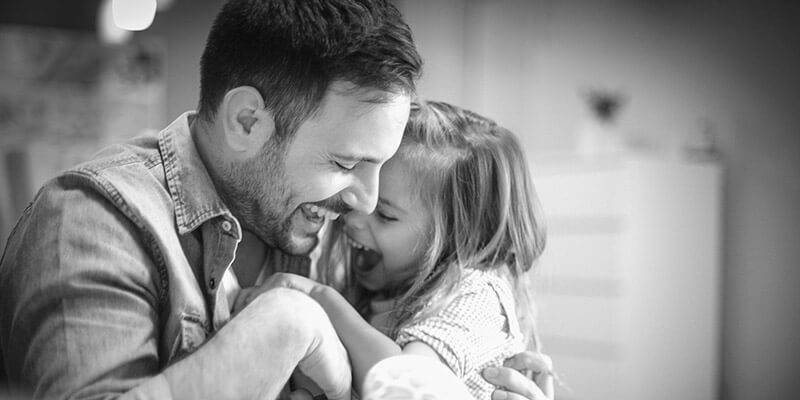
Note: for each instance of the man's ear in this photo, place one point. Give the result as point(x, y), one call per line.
point(247, 125)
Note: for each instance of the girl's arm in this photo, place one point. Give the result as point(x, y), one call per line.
point(365, 344)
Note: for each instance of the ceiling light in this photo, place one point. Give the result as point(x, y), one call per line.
point(108, 31)
point(133, 15)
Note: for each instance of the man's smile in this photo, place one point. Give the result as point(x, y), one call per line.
point(316, 213)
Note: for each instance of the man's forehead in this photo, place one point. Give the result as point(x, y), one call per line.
point(356, 149)
point(347, 120)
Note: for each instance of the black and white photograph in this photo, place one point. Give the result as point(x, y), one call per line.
point(400, 199)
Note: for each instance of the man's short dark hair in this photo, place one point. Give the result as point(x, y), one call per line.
point(292, 50)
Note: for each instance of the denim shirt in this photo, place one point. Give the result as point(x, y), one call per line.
point(114, 271)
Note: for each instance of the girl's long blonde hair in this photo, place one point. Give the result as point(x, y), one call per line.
point(472, 174)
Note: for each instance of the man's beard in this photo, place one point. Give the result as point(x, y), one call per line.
point(258, 194)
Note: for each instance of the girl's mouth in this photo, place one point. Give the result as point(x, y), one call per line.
point(362, 258)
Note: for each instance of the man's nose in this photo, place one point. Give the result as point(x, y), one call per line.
point(362, 196)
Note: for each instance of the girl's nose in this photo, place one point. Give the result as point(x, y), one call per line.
point(356, 220)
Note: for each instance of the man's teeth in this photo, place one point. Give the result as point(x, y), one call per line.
point(322, 212)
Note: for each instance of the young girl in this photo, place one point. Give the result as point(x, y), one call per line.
point(438, 269)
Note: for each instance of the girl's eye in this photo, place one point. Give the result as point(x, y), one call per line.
point(344, 167)
point(385, 217)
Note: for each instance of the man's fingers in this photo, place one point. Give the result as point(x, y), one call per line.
point(513, 382)
point(531, 361)
point(500, 394)
point(544, 381)
point(326, 362)
point(300, 394)
point(538, 367)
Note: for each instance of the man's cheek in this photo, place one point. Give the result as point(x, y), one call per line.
point(327, 187)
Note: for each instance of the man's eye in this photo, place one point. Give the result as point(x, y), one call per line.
point(344, 167)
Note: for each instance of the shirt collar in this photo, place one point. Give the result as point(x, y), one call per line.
point(191, 188)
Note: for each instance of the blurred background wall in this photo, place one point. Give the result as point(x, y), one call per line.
point(686, 66)
point(689, 69)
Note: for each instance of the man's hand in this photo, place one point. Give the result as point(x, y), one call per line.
point(257, 350)
point(300, 395)
point(281, 279)
point(326, 363)
point(527, 375)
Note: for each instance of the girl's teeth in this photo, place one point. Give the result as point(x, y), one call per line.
point(355, 244)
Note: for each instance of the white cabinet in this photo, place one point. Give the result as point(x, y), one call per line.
point(628, 288)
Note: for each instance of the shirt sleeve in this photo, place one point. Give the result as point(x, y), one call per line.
point(460, 330)
point(79, 300)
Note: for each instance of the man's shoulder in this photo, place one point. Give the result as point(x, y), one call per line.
point(136, 163)
point(142, 150)
point(128, 177)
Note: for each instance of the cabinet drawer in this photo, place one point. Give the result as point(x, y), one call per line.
point(584, 193)
point(591, 256)
point(580, 319)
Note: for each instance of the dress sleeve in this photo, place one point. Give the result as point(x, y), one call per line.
point(79, 300)
point(458, 332)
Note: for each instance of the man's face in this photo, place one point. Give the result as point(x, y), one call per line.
point(329, 167)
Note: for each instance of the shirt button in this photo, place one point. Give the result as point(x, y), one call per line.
point(212, 283)
point(226, 226)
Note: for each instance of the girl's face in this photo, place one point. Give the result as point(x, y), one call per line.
point(388, 245)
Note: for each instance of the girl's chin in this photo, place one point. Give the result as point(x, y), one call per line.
point(368, 284)
point(381, 290)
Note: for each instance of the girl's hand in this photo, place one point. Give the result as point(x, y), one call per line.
point(280, 279)
point(290, 281)
point(527, 375)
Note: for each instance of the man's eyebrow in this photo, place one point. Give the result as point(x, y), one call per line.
point(356, 158)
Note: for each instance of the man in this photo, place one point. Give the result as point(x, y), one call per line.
point(112, 281)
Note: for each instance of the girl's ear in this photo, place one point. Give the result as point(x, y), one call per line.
point(247, 126)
